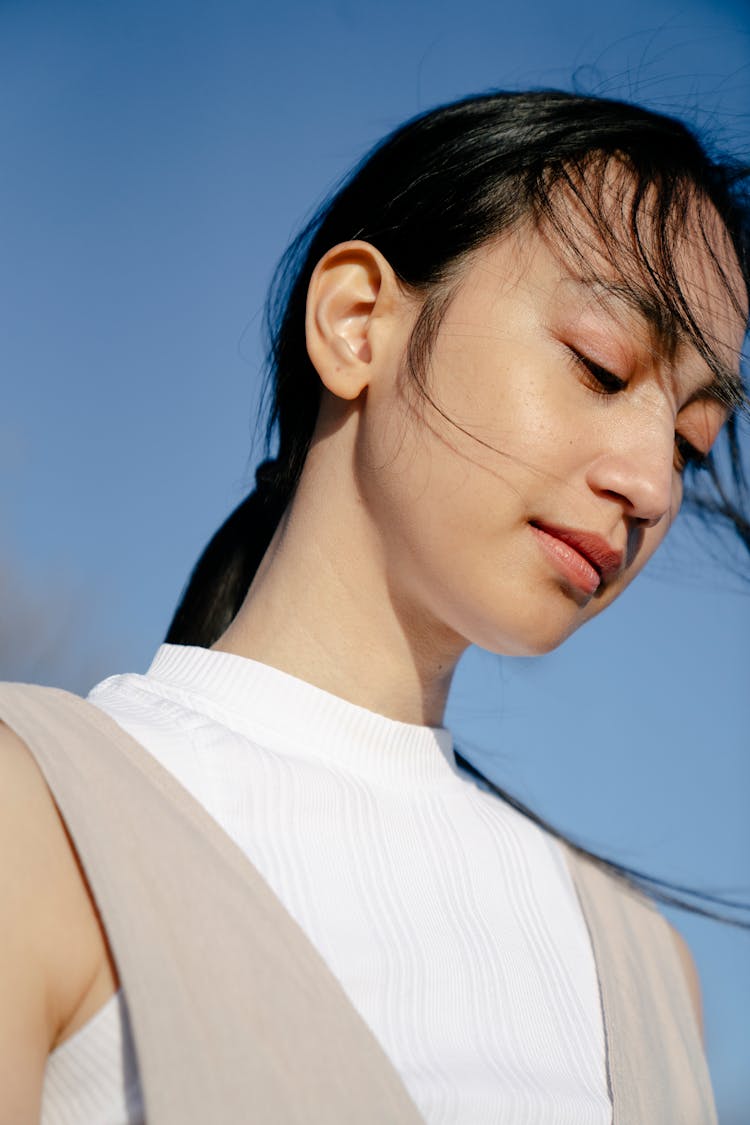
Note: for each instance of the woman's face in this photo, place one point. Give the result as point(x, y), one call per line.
point(546, 467)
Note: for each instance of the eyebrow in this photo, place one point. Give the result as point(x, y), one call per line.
point(725, 387)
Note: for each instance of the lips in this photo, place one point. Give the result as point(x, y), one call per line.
point(586, 559)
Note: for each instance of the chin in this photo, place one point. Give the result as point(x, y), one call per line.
point(527, 622)
point(529, 642)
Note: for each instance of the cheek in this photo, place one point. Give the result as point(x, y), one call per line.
point(506, 413)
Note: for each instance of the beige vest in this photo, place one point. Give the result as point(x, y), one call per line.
point(235, 1016)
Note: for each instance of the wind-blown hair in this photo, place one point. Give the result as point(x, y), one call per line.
point(431, 193)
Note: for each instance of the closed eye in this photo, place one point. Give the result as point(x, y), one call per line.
point(604, 382)
point(600, 379)
point(687, 456)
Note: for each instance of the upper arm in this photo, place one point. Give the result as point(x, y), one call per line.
point(47, 948)
point(691, 976)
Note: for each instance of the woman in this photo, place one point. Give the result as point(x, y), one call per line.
point(498, 352)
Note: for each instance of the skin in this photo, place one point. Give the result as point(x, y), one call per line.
point(55, 966)
point(410, 537)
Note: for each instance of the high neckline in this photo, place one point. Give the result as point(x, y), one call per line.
point(296, 717)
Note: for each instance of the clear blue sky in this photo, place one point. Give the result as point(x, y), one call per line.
point(156, 158)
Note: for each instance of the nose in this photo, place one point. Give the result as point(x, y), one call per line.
point(635, 466)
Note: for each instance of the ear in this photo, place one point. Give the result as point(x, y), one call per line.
point(352, 293)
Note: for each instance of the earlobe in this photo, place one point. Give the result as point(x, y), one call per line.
point(348, 292)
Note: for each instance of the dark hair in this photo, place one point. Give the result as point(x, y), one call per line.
point(432, 192)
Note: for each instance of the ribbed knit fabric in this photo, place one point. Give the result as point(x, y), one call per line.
point(449, 919)
point(91, 1079)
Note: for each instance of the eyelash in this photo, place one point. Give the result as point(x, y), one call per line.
point(607, 384)
point(687, 456)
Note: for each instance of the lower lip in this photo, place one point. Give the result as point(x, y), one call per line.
point(577, 570)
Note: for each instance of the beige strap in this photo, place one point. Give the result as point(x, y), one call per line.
point(235, 1015)
point(657, 1069)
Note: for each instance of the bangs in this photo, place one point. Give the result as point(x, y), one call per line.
point(635, 228)
point(606, 214)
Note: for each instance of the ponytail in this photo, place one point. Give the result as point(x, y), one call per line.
point(431, 193)
point(434, 191)
point(222, 576)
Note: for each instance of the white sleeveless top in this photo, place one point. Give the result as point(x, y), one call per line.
point(449, 919)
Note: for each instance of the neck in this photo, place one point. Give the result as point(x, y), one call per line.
point(323, 608)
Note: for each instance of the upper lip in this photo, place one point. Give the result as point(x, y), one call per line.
point(606, 560)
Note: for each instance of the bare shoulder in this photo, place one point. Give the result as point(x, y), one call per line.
point(691, 974)
point(52, 949)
